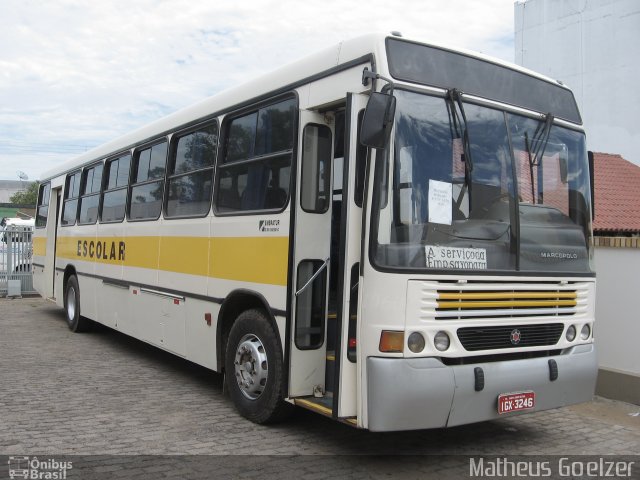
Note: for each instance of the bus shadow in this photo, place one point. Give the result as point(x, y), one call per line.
point(147, 353)
point(335, 437)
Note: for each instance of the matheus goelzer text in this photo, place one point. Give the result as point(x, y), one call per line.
point(563, 467)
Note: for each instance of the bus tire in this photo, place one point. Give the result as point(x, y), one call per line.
point(254, 369)
point(75, 321)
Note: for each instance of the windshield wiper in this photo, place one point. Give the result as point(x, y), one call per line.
point(537, 146)
point(460, 130)
point(454, 98)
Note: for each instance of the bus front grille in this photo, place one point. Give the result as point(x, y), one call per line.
point(494, 302)
point(513, 336)
point(499, 303)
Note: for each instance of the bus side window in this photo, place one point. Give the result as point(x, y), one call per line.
point(90, 199)
point(147, 182)
point(254, 171)
point(114, 198)
point(43, 205)
point(190, 175)
point(316, 169)
point(71, 194)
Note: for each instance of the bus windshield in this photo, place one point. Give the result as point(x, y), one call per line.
point(470, 188)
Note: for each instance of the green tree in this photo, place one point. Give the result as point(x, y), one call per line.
point(26, 197)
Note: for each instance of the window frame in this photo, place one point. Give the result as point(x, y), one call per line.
point(329, 175)
point(41, 189)
point(83, 186)
point(135, 157)
point(223, 145)
point(108, 161)
point(66, 198)
point(172, 150)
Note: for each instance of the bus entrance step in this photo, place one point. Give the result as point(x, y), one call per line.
point(321, 405)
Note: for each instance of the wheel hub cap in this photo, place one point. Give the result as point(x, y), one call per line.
point(251, 366)
point(71, 304)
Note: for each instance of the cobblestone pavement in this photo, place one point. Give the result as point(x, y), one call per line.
point(105, 393)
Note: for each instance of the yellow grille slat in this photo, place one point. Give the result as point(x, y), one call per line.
point(507, 304)
point(505, 295)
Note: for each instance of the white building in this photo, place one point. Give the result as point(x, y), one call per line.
point(592, 46)
point(10, 187)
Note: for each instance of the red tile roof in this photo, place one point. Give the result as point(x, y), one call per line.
point(617, 192)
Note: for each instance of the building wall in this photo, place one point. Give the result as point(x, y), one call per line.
point(592, 47)
point(617, 329)
point(10, 187)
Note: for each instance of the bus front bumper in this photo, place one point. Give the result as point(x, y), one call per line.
point(417, 393)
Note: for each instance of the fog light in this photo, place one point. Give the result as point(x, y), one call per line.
point(571, 333)
point(416, 342)
point(441, 341)
point(585, 332)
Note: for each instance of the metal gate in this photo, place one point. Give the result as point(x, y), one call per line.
point(16, 252)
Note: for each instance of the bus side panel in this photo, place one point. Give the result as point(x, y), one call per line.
point(201, 332)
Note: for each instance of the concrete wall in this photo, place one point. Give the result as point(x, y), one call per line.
point(592, 46)
point(617, 330)
point(9, 187)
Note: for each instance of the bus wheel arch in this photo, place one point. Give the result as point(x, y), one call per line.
point(232, 307)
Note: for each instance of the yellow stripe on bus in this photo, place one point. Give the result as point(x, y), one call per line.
point(250, 259)
point(40, 246)
point(247, 259)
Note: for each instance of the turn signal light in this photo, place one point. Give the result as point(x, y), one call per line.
point(391, 341)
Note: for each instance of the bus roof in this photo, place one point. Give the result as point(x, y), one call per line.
point(356, 50)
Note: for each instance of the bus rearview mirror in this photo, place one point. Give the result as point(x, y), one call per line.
point(378, 120)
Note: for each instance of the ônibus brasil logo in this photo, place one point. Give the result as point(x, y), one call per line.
point(32, 468)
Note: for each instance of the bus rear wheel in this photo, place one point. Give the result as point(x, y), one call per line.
point(75, 321)
point(254, 369)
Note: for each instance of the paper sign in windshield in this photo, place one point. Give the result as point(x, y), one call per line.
point(456, 258)
point(440, 202)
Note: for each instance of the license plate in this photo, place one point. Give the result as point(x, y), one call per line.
point(516, 402)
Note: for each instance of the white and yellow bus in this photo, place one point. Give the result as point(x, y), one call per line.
point(390, 233)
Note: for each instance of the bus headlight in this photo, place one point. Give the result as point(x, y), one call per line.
point(585, 332)
point(441, 341)
point(571, 333)
point(416, 342)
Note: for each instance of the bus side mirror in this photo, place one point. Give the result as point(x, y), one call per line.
point(378, 120)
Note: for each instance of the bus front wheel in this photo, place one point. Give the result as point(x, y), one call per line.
point(254, 369)
point(75, 321)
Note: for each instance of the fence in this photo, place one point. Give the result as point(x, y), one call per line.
point(16, 251)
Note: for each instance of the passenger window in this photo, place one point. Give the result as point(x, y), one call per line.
point(71, 194)
point(315, 192)
point(90, 198)
point(114, 199)
point(190, 179)
point(311, 304)
point(147, 182)
point(255, 170)
point(43, 205)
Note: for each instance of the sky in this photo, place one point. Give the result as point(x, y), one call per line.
point(75, 74)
